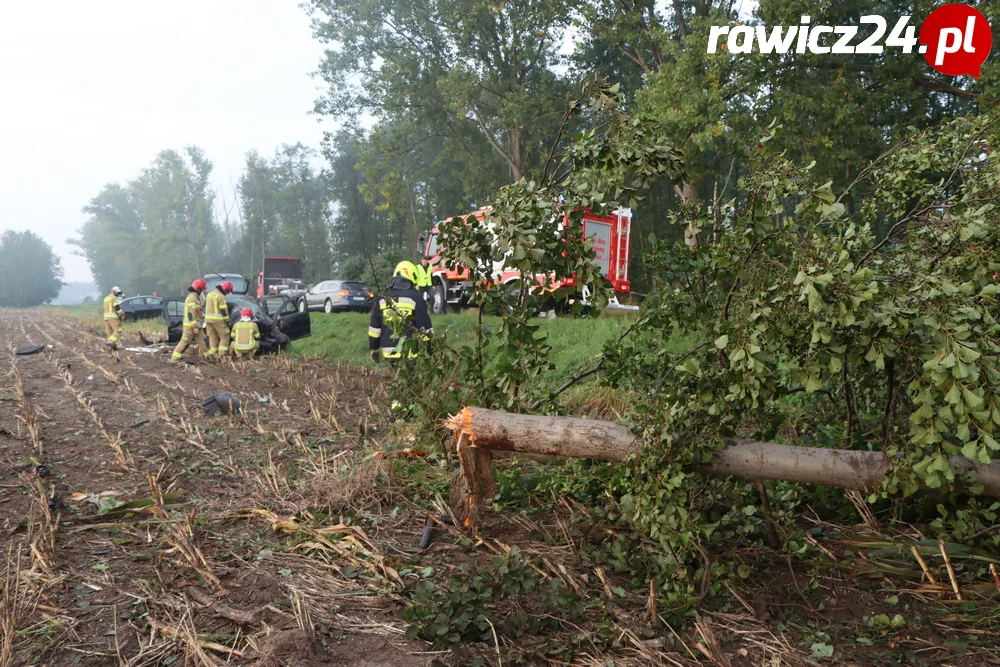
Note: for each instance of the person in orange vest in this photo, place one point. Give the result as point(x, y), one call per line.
point(245, 336)
point(192, 319)
point(113, 317)
point(217, 320)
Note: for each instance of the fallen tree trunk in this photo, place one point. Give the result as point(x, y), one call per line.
point(479, 432)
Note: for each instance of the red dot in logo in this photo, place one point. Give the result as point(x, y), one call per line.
point(957, 40)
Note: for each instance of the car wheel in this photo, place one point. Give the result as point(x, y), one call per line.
point(439, 302)
point(328, 307)
point(302, 306)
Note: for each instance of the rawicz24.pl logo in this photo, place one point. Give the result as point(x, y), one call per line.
point(954, 39)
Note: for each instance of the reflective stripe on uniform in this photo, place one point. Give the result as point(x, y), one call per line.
point(192, 309)
point(213, 310)
point(373, 332)
point(111, 307)
point(396, 353)
point(244, 336)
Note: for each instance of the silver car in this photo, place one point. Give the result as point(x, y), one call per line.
point(333, 296)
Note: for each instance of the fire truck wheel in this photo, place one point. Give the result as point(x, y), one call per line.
point(512, 297)
point(439, 303)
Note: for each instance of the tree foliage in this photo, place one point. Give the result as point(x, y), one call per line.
point(284, 208)
point(30, 273)
point(157, 232)
point(809, 328)
point(536, 229)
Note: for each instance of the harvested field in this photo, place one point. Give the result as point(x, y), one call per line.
point(141, 531)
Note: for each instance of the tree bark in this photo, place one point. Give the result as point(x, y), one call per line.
point(479, 431)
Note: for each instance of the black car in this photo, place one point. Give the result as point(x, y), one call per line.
point(277, 317)
point(142, 307)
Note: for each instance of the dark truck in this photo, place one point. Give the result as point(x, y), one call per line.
point(279, 319)
point(277, 269)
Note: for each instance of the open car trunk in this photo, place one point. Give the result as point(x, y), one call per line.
point(277, 317)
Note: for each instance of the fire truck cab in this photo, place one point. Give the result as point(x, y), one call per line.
point(611, 238)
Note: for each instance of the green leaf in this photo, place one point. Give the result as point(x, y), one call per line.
point(821, 650)
point(721, 342)
point(812, 384)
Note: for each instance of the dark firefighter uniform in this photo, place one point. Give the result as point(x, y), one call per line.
point(399, 313)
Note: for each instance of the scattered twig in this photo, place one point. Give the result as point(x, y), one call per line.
point(951, 570)
point(923, 564)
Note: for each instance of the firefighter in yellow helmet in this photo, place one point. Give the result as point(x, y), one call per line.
point(245, 336)
point(400, 312)
point(217, 320)
point(192, 319)
point(113, 317)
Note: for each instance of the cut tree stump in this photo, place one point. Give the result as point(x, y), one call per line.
point(479, 432)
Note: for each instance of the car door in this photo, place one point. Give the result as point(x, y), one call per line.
point(315, 296)
point(173, 313)
point(286, 316)
point(127, 306)
point(153, 308)
point(141, 307)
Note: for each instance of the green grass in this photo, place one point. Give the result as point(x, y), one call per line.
point(576, 342)
point(93, 313)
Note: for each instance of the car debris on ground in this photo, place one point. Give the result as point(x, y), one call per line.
point(221, 403)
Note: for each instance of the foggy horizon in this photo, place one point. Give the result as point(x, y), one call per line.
point(100, 90)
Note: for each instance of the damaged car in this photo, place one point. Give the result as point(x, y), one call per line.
point(277, 317)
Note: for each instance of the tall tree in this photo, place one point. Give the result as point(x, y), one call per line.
point(111, 239)
point(285, 204)
point(840, 110)
point(30, 273)
point(158, 231)
point(174, 200)
point(474, 73)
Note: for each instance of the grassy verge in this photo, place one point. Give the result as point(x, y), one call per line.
point(576, 342)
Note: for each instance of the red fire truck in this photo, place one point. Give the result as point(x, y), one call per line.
point(610, 236)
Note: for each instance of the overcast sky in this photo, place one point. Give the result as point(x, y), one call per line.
point(92, 90)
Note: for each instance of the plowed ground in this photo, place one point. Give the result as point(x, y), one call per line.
point(140, 531)
point(204, 572)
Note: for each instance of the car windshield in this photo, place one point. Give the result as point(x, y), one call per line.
point(356, 287)
point(238, 302)
point(432, 247)
point(240, 284)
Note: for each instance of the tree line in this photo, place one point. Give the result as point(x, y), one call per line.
point(443, 102)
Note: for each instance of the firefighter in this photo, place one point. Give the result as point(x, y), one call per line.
point(217, 320)
point(422, 275)
point(192, 319)
point(399, 313)
point(113, 317)
point(245, 336)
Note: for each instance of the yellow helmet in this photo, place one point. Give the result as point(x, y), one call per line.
point(406, 269)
